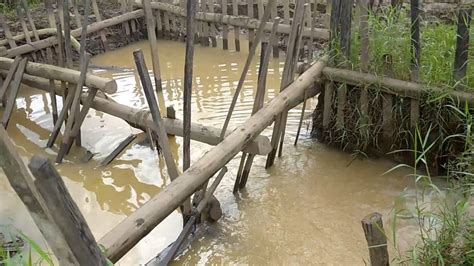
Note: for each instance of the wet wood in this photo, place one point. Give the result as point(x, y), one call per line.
point(7, 32)
point(300, 124)
point(14, 88)
point(68, 75)
point(238, 176)
point(250, 14)
point(24, 4)
point(141, 118)
point(225, 28)
point(159, 23)
point(286, 12)
point(247, 66)
point(274, 43)
point(133, 24)
point(346, 22)
point(167, 25)
point(341, 105)
point(98, 18)
point(376, 240)
point(24, 27)
point(21, 181)
point(65, 213)
point(205, 26)
point(235, 13)
point(364, 64)
point(188, 83)
point(246, 171)
point(120, 148)
point(461, 56)
point(327, 108)
point(8, 79)
point(125, 25)
point(158, 122)
point(67, 34)
point(150, 25)
point(415, 52)
point(52, 92)
point(132, 229)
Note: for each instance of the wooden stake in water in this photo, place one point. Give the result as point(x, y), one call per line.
point(225, 28)
point(98, 18)
point(188, 82)
point(235, 12)
point(15, 87)
point(250, 14)
point(8, 79)
point(261, 28)
point(376, 240)
point(159, 127)
point(25, 30)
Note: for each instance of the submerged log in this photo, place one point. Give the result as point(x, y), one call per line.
point(132, 229)
point(141, 118)
point(58, 73)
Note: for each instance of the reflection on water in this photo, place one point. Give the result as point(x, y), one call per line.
point(306, 209)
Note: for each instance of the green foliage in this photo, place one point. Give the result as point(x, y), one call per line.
point(389, 34)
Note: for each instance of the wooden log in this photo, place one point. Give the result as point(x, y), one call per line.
point(308, 22)
point(205, 26)
point(346, 22)
point(376, 239)
point(21, 181)
point(150, 25)
point(243, 22)
point(415, 47)
point(393, 86)
point(8, 79)
point(461, 56)
point(133, 228)
point(141, 118)
point(247, 66)
point(341, 106)
point(225, 28)
point(287, 77)
point(246, 171)
point(68, 75)
point(188, 83)
point(124, 144)
point(159, 23)
point(156, 116)
point(65, 212)
point(98, 18)
point(167, 25)
point(15, 87)
point(388, 126)
point(327, 108)
point(235, 13)
point(7, 32)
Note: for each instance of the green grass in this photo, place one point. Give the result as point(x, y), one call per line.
point(389, 34)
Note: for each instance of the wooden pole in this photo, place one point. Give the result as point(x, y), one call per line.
point(67, 33)
point(205, 26)
point(364, 64)
point(8, 79)
point(247, 66)
point(98, 18)
point(276, 49)
point(235, 13)
point(300, 124)
point(25, 30)
point(156, 115)
point(129, 232)
point(77, 17)
point(188, 83)
point(15, 87)
point(52, 93)
point(125, 25)
point(415, 49)
point(461, 56)
point(376, 239)
point(21, 181)
point(24, 4)
point(225, 28)
point(250, 14)
point(65, 213)
point(7, 32)
point(118, 150)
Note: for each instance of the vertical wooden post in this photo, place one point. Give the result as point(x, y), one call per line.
point(286, 12)
point(21, 181)
point(274, 43)
point(31, 22)
point(225, 28)
point(239, 172)
point(125, 25)
point(77, 17)
point(235, 12)
point(188, 83)
point(159, 127)
point(159, 23)
point(205, 26)
point(251, 15)
point(119, 149)
point(15, 87)
point(52, 91)
point(364, 65)
point(67, 33)
point(415, 49)
point(309, 23)
point(252, 50)
point(376, 239)
point(133, 25)
point(98, 18)
point(462, 43)
point(166, 19)
point(327, 108)
point(25, 30)
point(65, 213)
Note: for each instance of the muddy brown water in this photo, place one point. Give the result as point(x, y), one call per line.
point(304, 210)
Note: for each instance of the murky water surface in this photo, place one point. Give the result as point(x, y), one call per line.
point(304, 210)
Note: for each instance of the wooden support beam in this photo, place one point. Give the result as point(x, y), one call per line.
point(188, 83)
point(98, 18)
point(235, 13)
point(125, 25)
point(250, 56)
point(24, 27)
point(415, 51)
point(68, 75)
point(250, 14)
point(21, 181)
point(24, 4)
point(327, 108)
point(133, 228)
point(364, 65)
point(376, 240)
point(52, 92)
point(65, 213)
point(124, 144)
point(240, 170)
point(274, 43)
point(141, 118)
point(158, 122)
point(7, 32)
point(225, 28)
point(15, 87)
point(8, 79)
point(67, 33)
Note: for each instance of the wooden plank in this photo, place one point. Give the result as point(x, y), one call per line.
point(119, 149)
point(65, 213)
point(128, 233)
point(247, 66)
point(15, 87)
point(235, 12)
point(8, 79)
point(98, 18)
point(225, 28)
point(376, 239)
point(7, 31)
point(188, 83)
point(156, 115)
point(21, 181)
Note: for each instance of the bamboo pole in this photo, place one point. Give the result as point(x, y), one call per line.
point(68, 75)
point(156, 116)
point(141, 118)
point(188, 83)
point(247, 66)
point(65, 213)
point(21, 181)
point(31, 22)
point(300, 124)
point(52, 93)
point(15, 87)
point(128, 233)
point(275, 49)
point(240, 170)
